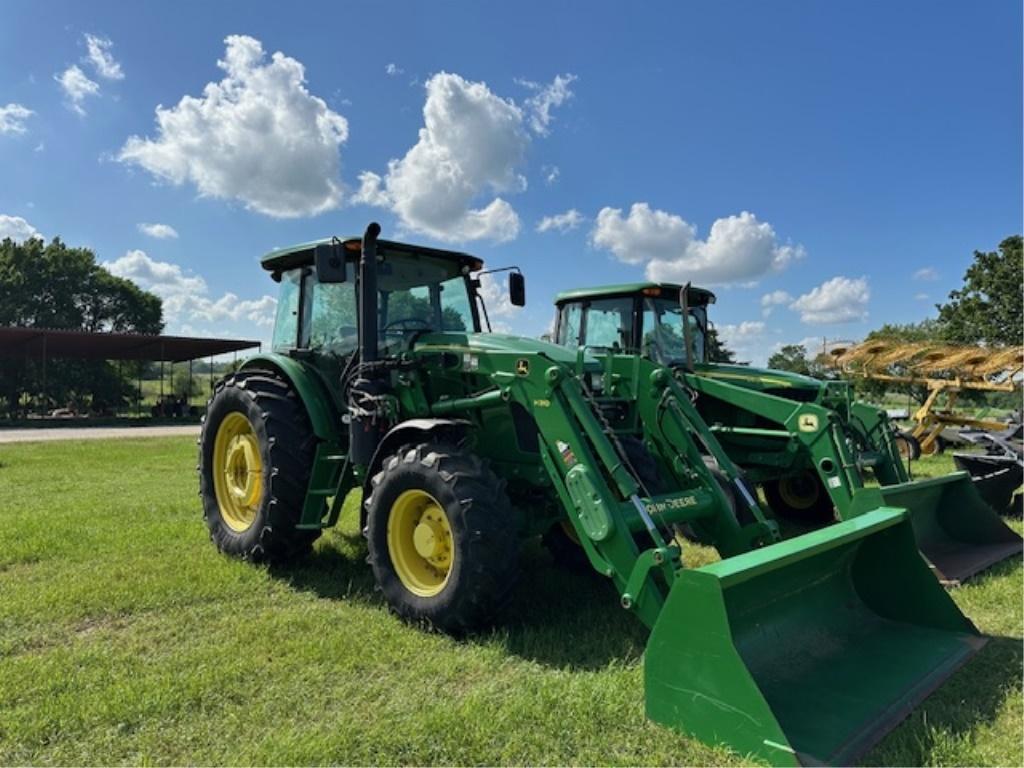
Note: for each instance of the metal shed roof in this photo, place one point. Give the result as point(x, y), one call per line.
point(39, 342)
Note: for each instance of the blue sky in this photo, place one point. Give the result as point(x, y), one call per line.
point(827, 167)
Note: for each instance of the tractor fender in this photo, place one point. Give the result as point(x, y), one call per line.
point(411, 430)
point(310, 388)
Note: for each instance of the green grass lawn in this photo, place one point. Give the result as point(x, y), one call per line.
point(125, 638)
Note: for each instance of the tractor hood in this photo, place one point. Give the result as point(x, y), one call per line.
point(499, 343)
point(759, 378)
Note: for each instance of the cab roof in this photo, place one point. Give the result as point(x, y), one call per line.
point(302, 255)
point(667, 290)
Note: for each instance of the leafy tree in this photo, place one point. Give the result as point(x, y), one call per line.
point(53, 286)
point(184, 385)
point(717, 351)
point(792, 358)
point(929, 330)
point(990, 306)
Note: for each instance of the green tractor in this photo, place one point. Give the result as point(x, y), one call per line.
point(807, 443)
point(464, 443)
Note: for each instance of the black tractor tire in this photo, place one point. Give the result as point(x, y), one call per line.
point(643, 464)
point(686, 530)
point(484, 536)
point(562, 543)
point(801, 498)
point(286, 446)
point(909, 447)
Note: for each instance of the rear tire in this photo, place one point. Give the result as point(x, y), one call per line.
point(254, 484)
point(801, 498)
point(908, 446)
point(443, 538)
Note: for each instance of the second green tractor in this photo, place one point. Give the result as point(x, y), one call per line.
point(807, 443)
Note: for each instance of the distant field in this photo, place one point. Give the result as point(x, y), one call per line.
point(125, 638)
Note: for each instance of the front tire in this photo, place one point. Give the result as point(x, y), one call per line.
point(801, 498)
point(255, 456)
point(443, 538)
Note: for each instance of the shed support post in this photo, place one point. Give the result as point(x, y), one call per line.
point(44, 377)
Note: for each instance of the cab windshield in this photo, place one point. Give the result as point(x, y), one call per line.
point(422, 294)
point(664, 336)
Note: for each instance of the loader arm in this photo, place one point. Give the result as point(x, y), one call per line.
point(956, 531)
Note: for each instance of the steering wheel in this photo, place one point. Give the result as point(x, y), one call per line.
point(404, 324)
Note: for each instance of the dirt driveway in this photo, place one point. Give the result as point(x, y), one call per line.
point(93, 433)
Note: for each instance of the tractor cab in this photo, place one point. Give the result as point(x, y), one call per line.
point(419, 290)
point(647, 318)
point(643, 317)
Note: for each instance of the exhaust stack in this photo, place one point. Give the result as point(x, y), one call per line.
point(367, 424)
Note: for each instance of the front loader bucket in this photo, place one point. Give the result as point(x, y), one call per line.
point(807, 651)
point(995, 477)
point(956, 530)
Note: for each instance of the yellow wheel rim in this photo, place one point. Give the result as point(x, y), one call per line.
point(799, 492)
point(237, 472)
point(420, 543)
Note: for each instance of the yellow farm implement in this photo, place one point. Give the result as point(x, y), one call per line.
point(943, 370)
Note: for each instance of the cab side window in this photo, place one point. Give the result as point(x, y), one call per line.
point(569, 325)
point(330, 320)
point(286, 322)
point(609, 323)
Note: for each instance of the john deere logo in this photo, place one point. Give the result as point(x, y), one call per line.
point(523, 366)
point(808, 422)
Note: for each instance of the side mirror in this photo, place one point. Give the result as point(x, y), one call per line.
point(329, 261)
point(517, 289)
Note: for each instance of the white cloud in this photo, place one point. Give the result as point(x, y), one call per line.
point(771, 300)
point(743, 331)
point(161, 277)
point(257, 136)
point(159, 231)
point(471, 144)
point(921, 296)
point(77, 87)
point(186, 298)
point(745, 339)
point(17, 229)
point(643, 236)
point(100, 57)
point(371, 190)
point(839, 300)
point(739, 249)
point(546, 98)
point(561, 222)
point(551, 174)
point(393, 70)
point(926, 274)
point(13, 117)
point(494, 291)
